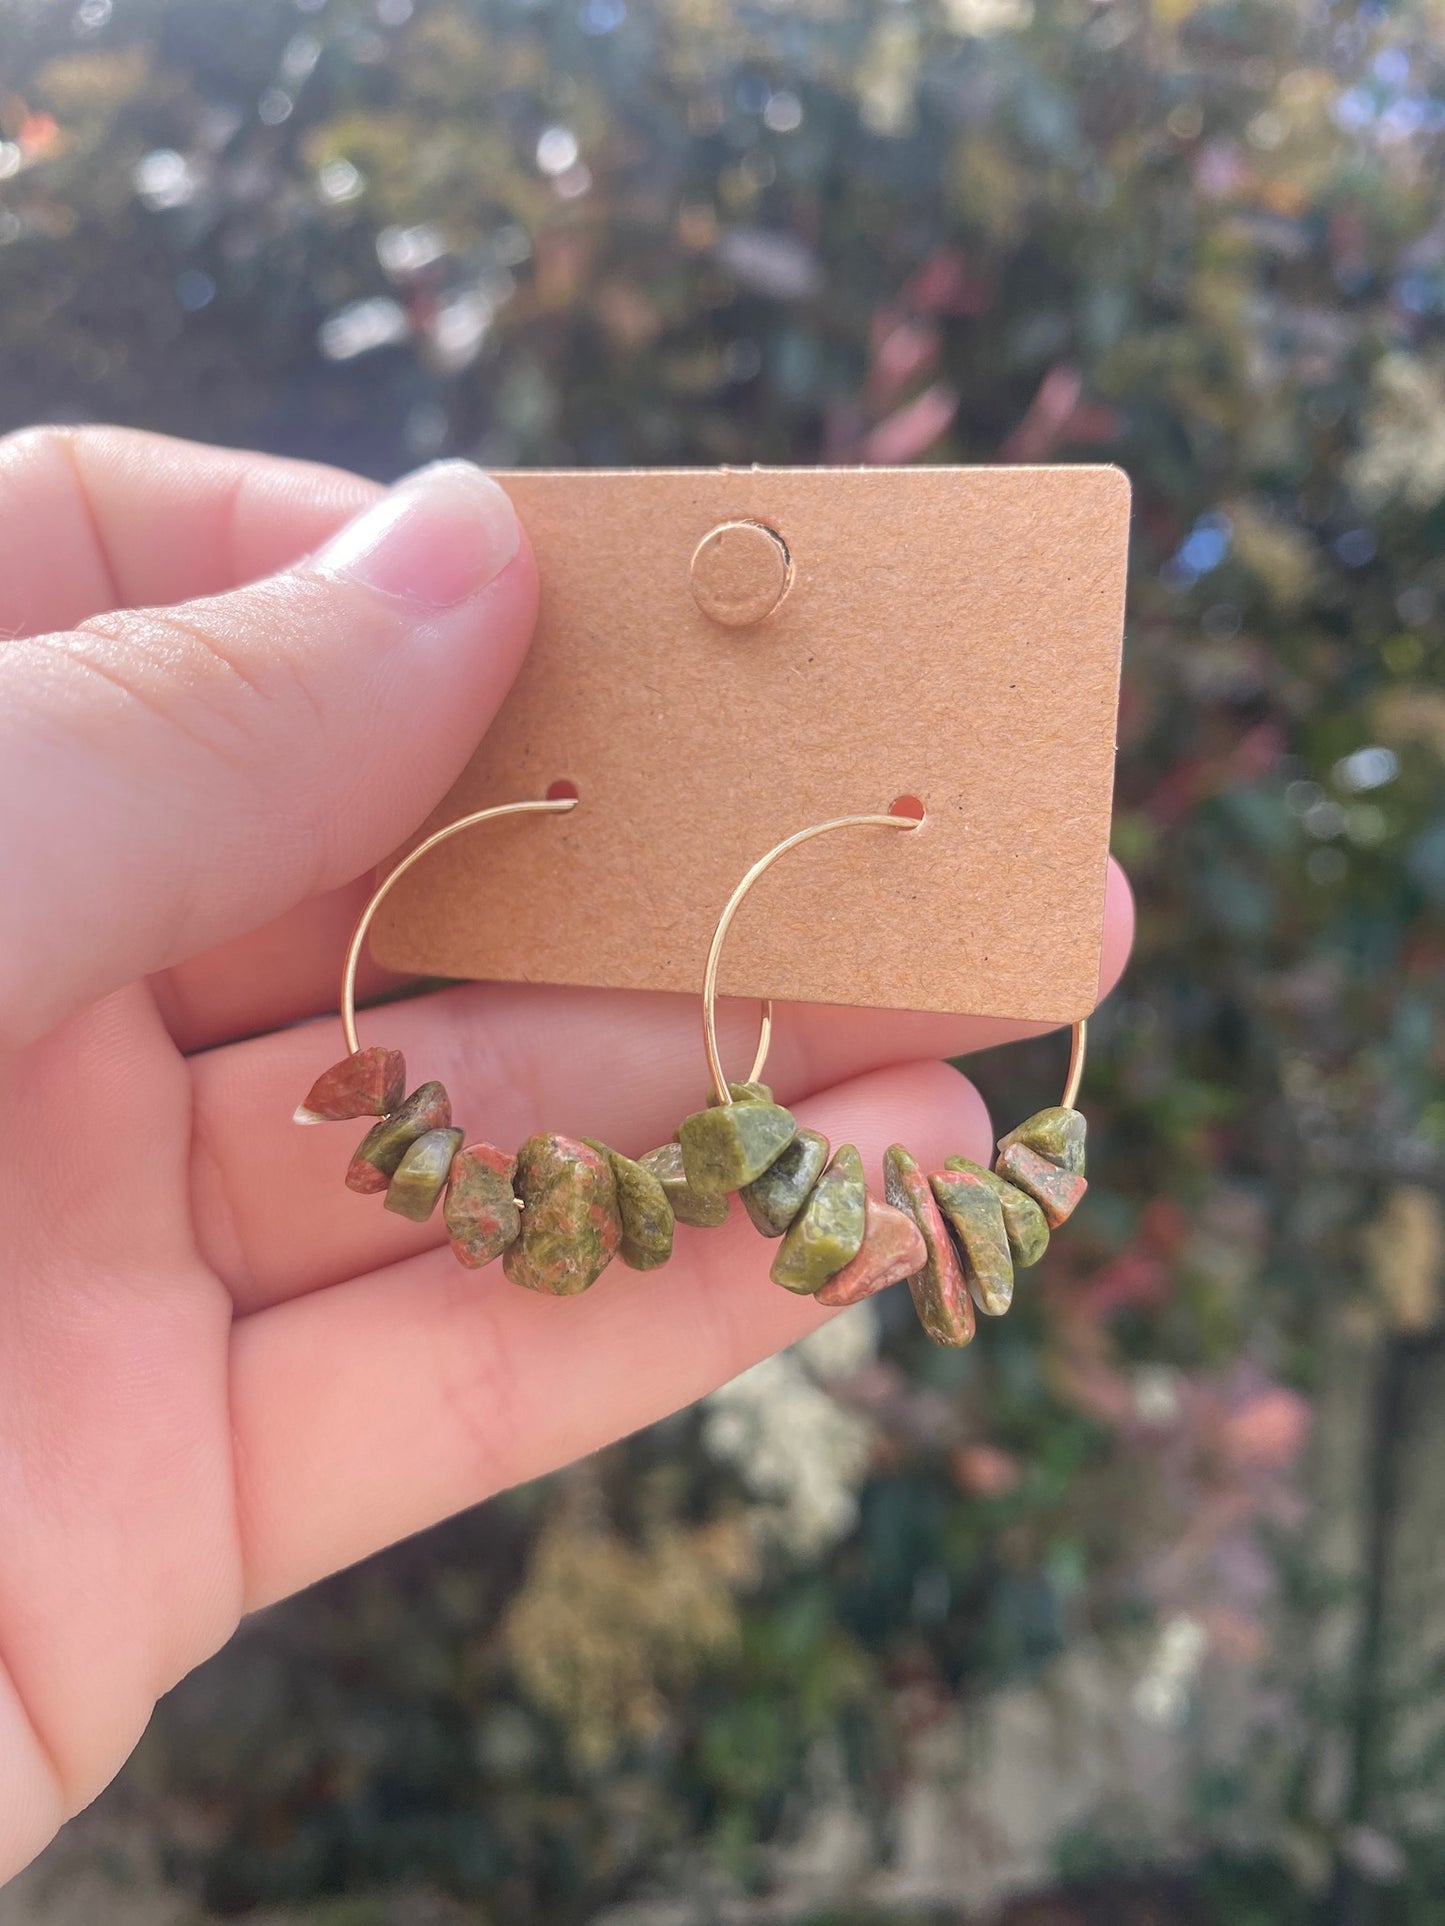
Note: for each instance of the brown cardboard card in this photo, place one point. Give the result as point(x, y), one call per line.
point(946, 633)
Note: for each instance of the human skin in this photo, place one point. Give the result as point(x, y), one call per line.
point(222, 699)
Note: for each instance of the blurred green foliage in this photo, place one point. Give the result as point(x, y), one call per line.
point(1202, 240)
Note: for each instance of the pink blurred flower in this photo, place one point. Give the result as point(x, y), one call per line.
point(1058, 413)
point(904, 354)
point(986, 1471)
point(1268, 1431)
point(913, 428)
point(943, 285)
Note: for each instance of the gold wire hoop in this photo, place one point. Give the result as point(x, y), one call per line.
point(1079, 1039)
point(724, 924)
point(546, 806)
point(1078, 1050)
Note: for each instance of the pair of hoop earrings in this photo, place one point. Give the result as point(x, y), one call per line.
point(561, 1209)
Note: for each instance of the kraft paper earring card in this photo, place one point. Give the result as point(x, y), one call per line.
point(724, 656)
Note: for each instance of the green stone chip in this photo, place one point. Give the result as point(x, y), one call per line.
point(688, 1205)
point(733, 1144)
point(1024, 1223)
point(420, 1178)
point(774, 1199)
point(828, 1232)
point(642, 1204)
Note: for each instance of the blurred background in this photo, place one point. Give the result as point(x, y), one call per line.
point(1135, 1612)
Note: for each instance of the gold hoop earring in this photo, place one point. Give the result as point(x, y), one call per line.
point(561, 1209)
point(558, 1211)
point(955, 1235)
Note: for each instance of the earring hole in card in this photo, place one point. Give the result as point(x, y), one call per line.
point(563, 790)
point(909, 807)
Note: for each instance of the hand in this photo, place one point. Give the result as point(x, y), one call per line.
point(220, 1375)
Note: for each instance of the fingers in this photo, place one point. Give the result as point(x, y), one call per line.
point(176, 777)
point(287, 969)
point(119, 1567)
point(32, 1805)
point(270, 1206)
point(368, 1411)
point(93, 519)
point(1119, 925)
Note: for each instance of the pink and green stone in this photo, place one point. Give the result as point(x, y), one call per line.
point(774, 1199)
point(939, 1288)
point(892, 1249)
point(571, 1227)
point(689, 1206)
point(1057, 1192)
point(647, 1217)
point(1025, 1225)
point(827, 1233)
point(1057, 1134)
point(385, 1144)
point(975, 1215)
point(420, 1178)
point(367, 1084)
point(480, 1211)
point(732, 1144)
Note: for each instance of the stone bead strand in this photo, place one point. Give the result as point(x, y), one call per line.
point(556, 1213)
point(956, 1235)
point(560, 1210)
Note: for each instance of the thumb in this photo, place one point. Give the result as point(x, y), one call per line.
point(170, 778)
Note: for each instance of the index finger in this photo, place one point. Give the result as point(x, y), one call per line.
point(95, 519)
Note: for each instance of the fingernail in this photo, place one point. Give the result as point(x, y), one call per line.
point(437, 538)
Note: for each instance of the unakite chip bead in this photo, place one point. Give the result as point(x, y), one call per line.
point(647, 1217)
point(368, 1083)
point(892, 1249)
point(975, 1216)
point(570, 1223)
point(827, 1233)
point(774, 1199)
point(689, 1206)
point(1057, 1192)
point(744, 1093)
point(1057, 1134)
point(1025, 1225)
point(732, 1144)
point(421, 1176)
point(385, 1144)
point(938, 1287)
point(480, 1211)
